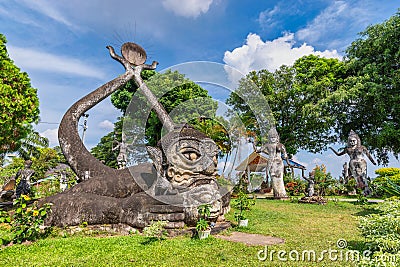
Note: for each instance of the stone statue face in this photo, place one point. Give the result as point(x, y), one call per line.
point(273, 136)
point(187, 159)
point(352, 141)
point(190, 158)
point(274, 139)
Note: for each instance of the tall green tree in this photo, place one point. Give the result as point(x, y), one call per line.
point(31, 144)
point(374, 65)
point(179, 95)
point(19, 104)
point(301, 98)
point(104, 150)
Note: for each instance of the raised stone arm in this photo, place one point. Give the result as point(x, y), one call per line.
point(338, 153)
point(123, 61)
point(304, 177)
point(285, 156)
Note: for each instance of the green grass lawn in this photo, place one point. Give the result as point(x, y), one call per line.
point(303, 226)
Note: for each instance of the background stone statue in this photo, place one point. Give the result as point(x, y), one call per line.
point(24, 185)
point(123, 147)
point(275, 167)
point(311, 183)
point(357, 163)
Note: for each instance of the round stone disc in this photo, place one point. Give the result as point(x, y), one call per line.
point(134, 53)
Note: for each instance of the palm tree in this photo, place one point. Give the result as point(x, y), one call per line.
point(30, 144)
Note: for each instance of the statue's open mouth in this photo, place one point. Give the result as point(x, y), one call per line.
point(201, 181)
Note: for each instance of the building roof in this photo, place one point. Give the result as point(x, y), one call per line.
point(255, 162)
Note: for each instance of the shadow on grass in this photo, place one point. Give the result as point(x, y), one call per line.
point(150, 240)
point(366, 211)
point(357, 245)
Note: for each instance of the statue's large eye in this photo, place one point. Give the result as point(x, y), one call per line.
point(190, 153)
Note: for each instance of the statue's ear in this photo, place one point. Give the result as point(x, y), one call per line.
point(156, 155)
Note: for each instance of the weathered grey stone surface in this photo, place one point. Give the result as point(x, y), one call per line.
point(171, 189)
point(275, 168)
point(357, 165)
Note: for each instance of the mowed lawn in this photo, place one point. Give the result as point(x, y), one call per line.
point(304, 227)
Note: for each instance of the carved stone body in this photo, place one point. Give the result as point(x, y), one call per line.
point(275, 168)
point(357, 164)
point(181, 178)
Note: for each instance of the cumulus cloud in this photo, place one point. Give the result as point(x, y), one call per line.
point(52, 135)
point(107, 125)
point(337, 25)
point(188, 8)
point(317, 161)
point(256, 54)
point(29, 59)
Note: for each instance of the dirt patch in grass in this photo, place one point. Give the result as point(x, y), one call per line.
point(252, 239)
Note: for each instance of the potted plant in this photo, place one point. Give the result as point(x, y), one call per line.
point(242, 203)
point(202, 226)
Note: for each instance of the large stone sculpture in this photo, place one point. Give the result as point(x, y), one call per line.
point(357, 164)
point(181, 177)
point(276, 168)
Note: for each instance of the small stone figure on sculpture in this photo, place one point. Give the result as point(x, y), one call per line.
point(24, 186)
point(275, 167)
point(123, 151)
point(63, 180)
point(357, 164)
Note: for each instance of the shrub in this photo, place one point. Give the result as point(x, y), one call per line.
point(204, 212)
point(156, 230)
point(242, 203)
point(387, 180)
point(27, 221)
point(390, 171)
point(202, 225)
point(382, 230)
point(323, 180)
point(295, 187)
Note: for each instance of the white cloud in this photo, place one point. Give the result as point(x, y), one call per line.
point(257, 54)
point(187, 8)
point(29, 59)
point(266, 18)
point(47, 9)
point(324, 22)
point(317, 161)
point(52, 135)
point(107, 125)
point(338, 23)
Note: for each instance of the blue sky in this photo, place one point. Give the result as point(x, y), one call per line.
point(61, 44)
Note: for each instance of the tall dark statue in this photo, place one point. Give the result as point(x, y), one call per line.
point(181, 177)
point(24, 185)
point(357, 164)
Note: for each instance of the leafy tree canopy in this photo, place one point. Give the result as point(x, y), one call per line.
point(301, 99)
point(185, 99)
point(19, 104)
point(374, 64)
